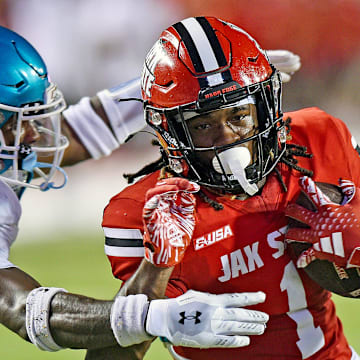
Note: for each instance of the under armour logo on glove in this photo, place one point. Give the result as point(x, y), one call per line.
point(169, 220)
point(334, 229)
point(24, 150)
point(195, 317)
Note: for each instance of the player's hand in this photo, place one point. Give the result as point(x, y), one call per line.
point(285, 61)
point(334, 229)
point(169, 220)
point(197, 319)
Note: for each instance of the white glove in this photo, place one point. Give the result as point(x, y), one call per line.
point(197, 319)
point(10, 212)
point(285, 61)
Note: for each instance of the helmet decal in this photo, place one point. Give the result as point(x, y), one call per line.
point(152, 59)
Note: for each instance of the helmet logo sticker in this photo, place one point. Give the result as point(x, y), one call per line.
point(155, 55)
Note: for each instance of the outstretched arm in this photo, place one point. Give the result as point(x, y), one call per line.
point(51, 318)
point(75, 322)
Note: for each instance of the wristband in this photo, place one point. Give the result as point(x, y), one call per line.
point(127, 319)
point(37, 318)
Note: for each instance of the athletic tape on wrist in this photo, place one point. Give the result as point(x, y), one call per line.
point(37, 318)
point(127, 319)
point(91, 129)
point(125, 117)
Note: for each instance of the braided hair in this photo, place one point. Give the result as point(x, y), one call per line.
point(292, 151)
point(288, 158)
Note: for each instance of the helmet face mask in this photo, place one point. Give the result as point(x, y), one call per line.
point(247, 78)
point(30, 117)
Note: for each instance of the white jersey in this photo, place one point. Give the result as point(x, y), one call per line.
point(10, 211)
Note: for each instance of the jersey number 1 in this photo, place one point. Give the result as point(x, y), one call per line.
point(311, 338)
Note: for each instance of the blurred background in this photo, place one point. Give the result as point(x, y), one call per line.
point(90, 45)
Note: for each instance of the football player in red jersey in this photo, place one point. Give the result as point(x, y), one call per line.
point(214, 101)
point(51, 318)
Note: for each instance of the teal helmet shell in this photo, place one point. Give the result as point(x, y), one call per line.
point(23, 73)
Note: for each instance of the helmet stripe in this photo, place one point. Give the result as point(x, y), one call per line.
point(202, 43)
point(215, 44)
point(204, 49)
point(194, 54)
point(213, 41)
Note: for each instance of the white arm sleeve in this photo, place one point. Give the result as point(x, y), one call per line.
point(125, 118)
point(10, 212)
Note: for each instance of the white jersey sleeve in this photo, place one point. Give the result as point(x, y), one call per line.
point(10, 212)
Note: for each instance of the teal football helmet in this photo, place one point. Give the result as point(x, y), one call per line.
point(31, 142)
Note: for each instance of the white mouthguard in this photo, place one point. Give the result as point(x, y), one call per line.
point(234, 161)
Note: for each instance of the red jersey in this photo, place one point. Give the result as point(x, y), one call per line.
point(241, 248)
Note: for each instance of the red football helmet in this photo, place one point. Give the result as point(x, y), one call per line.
point(204, 64)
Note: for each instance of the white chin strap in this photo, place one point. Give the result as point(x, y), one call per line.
point(234, 161)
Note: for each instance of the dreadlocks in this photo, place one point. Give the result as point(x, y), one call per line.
point(288, 159)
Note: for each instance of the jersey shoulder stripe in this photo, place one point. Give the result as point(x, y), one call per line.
point(119, 233)
point(125, 252)
point(123, 242)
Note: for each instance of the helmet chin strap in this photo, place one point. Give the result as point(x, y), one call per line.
point(29, 163)
point(234, 161)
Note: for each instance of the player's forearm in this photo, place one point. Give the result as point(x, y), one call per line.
point(76, 321)
point(80, 322)
point(76, 151)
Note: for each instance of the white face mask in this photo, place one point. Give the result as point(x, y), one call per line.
point(46, 121)
point(234, 161)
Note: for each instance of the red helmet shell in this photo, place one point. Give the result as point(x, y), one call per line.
point(199, 53)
